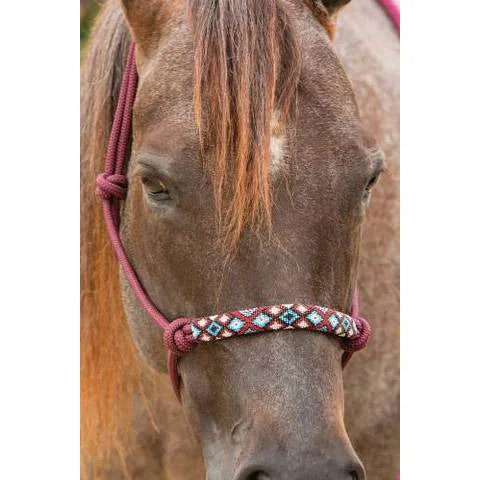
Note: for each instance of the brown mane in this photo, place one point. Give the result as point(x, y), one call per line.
point(238, 100)
point(107, 352)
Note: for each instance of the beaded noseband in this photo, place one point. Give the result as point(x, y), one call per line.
point(183, 334)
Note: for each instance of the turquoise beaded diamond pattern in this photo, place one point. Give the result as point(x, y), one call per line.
point(273, 318)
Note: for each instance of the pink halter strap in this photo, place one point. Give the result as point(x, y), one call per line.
point(183, 334)
point(393, 11)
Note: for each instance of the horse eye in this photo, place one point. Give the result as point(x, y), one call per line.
point(368, 188)
point(372, 182)
point(155, 188)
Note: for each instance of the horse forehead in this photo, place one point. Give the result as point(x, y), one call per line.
point(166, 75)
point(165, 93)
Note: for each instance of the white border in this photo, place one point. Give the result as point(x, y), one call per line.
point(440, 241)
point(39, 198)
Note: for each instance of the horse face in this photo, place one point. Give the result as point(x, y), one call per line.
point(266, 406)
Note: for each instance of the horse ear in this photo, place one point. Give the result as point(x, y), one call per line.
point(146, 19)
point(331, 6)
point(325, 11)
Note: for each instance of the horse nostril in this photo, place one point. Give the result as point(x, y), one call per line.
point(357, 473)
point(314, 469)
point(258, 476)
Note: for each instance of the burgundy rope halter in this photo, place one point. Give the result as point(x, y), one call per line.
point(183, 334)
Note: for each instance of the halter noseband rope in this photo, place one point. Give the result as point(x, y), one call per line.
point(183, 334)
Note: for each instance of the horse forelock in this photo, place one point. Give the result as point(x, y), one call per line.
point(247, 69)
point(247, 65)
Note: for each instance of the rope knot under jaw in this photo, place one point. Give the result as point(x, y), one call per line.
point(178, 337)
point(360, 340)
point(111, 186)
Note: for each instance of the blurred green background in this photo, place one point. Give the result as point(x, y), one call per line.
point(88, 12)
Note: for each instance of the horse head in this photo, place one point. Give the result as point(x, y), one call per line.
point(249, 177)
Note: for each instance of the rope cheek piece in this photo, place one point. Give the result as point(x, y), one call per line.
point(183, 334)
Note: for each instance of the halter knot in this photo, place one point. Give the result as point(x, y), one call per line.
point(360, 340)
point(178, 337)
point(111, 186)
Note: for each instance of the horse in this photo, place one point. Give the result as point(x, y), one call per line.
point(252, 180)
